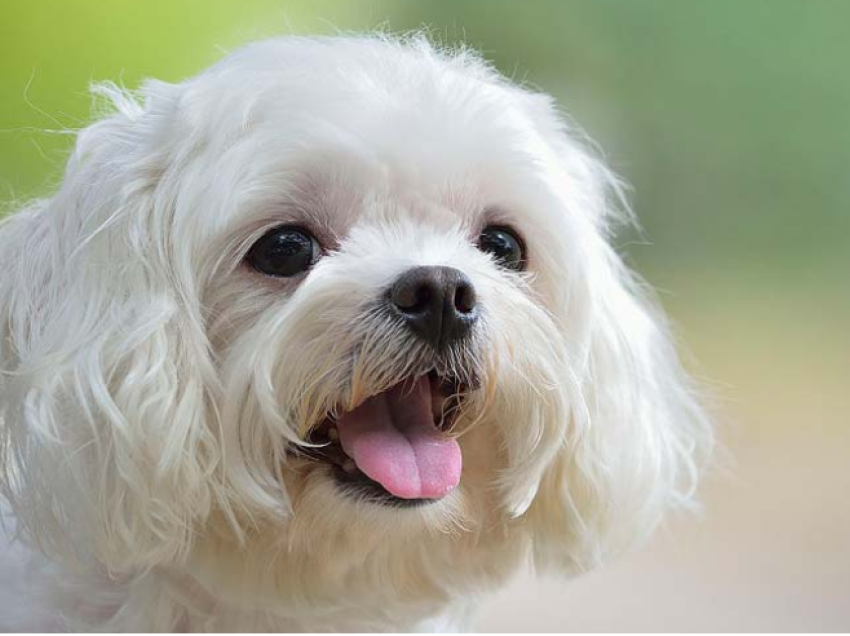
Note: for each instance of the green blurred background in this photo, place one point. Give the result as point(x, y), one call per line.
point(731, 120)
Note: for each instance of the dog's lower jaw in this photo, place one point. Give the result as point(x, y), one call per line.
point(171, 601)
point(165, 600)
point(294, 593)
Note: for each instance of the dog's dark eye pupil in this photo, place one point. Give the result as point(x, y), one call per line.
point(284, 252)
point(504, 245)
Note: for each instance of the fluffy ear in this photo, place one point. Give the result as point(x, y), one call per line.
point(106, 441)
point(636, 436)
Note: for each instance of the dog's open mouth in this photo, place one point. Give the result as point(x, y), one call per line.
point(395, 448)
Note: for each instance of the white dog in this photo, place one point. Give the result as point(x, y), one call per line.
point(328, 337)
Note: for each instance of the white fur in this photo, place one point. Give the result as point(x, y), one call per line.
point(151, 384)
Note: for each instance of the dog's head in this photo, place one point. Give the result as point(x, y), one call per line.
point(346, 293)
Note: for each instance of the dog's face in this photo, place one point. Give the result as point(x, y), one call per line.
point(336, 302)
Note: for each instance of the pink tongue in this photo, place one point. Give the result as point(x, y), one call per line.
point(392, 439)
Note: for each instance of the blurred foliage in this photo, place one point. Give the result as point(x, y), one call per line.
point(730, 118)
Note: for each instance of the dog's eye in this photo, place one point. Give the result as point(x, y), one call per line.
point(284, 252)
point(505, 246)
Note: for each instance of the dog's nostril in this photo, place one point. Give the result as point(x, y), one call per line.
point(465, 298)
point(412, 298)
point(437, 303)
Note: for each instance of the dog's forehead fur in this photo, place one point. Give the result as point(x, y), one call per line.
point(408, 114)
point(359, 89)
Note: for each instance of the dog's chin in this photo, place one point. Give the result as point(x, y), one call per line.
point(398, 447)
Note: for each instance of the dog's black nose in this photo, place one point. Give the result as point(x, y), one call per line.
point(437, 303)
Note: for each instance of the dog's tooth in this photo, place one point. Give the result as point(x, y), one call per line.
point(349, 466)
point(333, 434)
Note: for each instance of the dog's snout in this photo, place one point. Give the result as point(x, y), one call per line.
point(437, 303)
